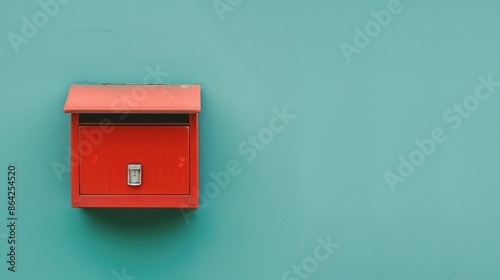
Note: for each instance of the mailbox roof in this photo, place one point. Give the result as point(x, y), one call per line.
point(133, 99)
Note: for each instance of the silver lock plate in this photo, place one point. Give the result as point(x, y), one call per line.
point(134, 174)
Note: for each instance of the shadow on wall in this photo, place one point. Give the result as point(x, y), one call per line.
point(131, 237)
point(135, 222)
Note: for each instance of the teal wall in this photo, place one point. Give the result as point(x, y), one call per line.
point(323, 197)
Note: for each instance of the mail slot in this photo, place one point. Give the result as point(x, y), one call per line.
point(134, 146)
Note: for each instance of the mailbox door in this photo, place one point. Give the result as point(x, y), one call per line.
point(161, 151)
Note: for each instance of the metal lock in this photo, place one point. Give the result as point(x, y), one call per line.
point(134, 174)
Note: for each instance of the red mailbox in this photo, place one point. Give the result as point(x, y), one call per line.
point(134, 146)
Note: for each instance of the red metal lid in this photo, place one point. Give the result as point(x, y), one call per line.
point(133, 99)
